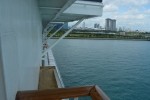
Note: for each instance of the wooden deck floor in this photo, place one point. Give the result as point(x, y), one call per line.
point(47, 78)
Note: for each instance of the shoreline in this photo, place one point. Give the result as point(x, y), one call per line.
point(103, 39)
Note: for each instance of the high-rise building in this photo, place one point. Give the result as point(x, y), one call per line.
point(83, 25)
point(114, 25)
point(107, 24)
point(96, 25)
point(110, 24)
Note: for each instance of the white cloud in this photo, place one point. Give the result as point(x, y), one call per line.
point(110, 8)
point(137, 3)
point(127, 2)
point(130, 17)
point(128, 13)
point(147, 11)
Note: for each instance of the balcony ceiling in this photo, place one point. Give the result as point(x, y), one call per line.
point(54, 11)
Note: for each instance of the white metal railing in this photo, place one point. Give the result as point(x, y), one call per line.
point(64, 35)
point(50, 61)
point(53, 34)
point(49, 55)
point(48, 29)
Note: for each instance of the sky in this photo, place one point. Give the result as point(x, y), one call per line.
point(130, 14)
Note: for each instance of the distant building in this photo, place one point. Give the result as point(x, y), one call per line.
point(110, 24)
point(65, 26)
point(97, 26)
point(114, 25)
point(120, 29)
point(83, 25)
point(122, 33)
point(58, 25)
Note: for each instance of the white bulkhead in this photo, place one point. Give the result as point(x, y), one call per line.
point(20, 46)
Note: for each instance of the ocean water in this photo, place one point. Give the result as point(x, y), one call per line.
point(121, 68)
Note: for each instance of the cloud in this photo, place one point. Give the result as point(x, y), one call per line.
point(132, 14)
point(127, 2)
point(137, 3)
point(130, 17)
point(110, 8)
point(147, 11)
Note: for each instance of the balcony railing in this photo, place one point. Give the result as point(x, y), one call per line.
point(63, 93)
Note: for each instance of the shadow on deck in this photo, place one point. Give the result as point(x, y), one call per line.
point(47, 78)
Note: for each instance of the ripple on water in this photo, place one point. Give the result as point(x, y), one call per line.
point(120, 68)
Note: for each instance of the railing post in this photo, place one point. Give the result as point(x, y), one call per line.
point(48, 59)
point(97, 94)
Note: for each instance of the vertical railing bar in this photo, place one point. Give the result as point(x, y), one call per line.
point(48, 59)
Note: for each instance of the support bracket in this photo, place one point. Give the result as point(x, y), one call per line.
point(62, 36)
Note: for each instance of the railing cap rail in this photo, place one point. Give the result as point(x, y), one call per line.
point(61, 93)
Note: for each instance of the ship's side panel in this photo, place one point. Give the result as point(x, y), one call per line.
point(2, 84)
point(10, 64)
point(20, 28)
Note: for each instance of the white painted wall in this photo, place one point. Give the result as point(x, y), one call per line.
point(85, 8)
point(2, 84)
point(20, 34)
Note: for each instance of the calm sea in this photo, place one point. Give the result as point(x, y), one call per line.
point(120, 68)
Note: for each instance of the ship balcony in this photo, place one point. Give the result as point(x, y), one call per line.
point(69, 10)
point(86, 7)
point(51, 87)
point(94, 92)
